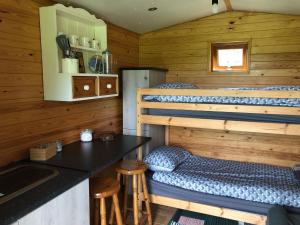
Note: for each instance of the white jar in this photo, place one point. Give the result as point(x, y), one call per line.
point(95, 44)
point(86, 135)
point(85, 42)
point(73, 39)
point(70, 65)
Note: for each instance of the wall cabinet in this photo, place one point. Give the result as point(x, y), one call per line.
point(93, 86)
point(69, 208)
point(59, 86)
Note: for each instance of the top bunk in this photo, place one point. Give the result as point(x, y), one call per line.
point(274, 110)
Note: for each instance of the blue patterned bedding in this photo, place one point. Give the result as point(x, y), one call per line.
point(226, 100)
point(248, 181)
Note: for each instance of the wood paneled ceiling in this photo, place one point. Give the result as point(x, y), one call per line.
point(134, 15)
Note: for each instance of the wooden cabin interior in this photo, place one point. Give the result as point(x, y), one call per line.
point(186, 111)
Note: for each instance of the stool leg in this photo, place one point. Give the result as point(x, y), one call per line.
point(112, 215)
point(135, 200)
point(140, 201)
point(117, 209)
point(103, 211)
point(147, 200)
point(125, 199)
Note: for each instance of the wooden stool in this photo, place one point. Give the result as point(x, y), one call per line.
point(136, 169)
point(101, 189)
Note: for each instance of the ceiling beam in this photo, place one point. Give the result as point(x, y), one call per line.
point(228, 5)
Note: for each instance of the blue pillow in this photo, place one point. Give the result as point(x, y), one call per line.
point(176, 85)
point(165, 158)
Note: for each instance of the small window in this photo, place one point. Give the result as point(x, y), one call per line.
point(227, 57)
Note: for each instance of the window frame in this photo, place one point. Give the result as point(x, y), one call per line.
point(214, 47)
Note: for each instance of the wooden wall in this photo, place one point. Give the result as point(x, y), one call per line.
point(25, 119)
point(183, 49)
point(275, 60)
point(239, 146)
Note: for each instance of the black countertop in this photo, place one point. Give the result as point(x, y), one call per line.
point(25, 203)
point(94, 156)
point(77, 162)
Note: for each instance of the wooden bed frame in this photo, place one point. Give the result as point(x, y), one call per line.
point(229, 125)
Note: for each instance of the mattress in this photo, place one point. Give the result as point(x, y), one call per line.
point(248, 181)
point(293, 102)
point(226, 116)
point(162, 189)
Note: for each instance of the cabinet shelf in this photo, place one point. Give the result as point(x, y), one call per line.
point(86, 49)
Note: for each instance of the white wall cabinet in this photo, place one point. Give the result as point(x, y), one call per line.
point(59, 86)
point(69, 208)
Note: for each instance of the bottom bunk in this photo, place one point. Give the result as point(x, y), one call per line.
point(229, 189)
point(238, 215)
point(165, 190)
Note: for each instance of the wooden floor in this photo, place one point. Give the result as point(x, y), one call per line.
point(161, 215)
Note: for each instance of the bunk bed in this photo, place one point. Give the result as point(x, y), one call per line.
point(258, 118)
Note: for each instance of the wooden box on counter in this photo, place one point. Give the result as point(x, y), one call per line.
point(42, 152)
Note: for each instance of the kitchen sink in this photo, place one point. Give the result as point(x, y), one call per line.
point(19, 179)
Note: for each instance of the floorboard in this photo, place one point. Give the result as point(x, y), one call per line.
point(161, 215)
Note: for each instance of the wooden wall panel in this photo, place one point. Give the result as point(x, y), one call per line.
point(25, 118)
point(184, 49)
point(249, 147)
point(274, 55)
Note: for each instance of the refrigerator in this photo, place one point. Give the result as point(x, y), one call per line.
point(134, 78)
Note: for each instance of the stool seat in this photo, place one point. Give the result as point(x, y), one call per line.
point(103, 188)
point(131, 167)
point(136, 170)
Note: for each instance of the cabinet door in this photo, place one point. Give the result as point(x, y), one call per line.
point(84, 87)
point(107, 85)
point(69, 208)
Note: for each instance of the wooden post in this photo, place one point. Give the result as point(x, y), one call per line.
point(139, 150)
point(138, 122)
point(167, 135)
